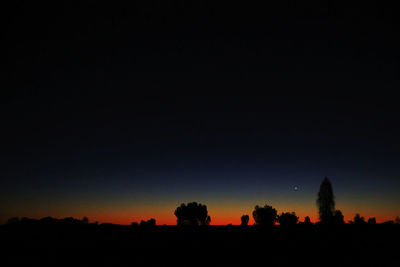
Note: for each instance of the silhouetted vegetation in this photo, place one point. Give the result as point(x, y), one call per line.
point(288, 219)
point(265, 216)
point(338, 217)
point(148, 223)
point(372, 220)
point(13, 220)
point(358, 219)
point(397, 220)
point(326, 202)
point(85, 220)
point(192, 214)
point(307, 220)
point(49, 221)
point(244, 220)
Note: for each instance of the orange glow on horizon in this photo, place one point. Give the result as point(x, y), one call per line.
point(221, 213)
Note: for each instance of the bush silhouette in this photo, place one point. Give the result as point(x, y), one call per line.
point(245, 220)
point(326, 202)
point(288, 219)
point(265, 216)
point(193, 214)
point(372, 220)
point(338, 217)
point(358, 219)
point(149, 223)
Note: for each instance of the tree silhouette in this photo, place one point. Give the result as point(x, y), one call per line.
point(193, 214)
point(245, 220)
point(208, 220)
point(326, 202)
point(307, 220)
point(288, 219)
point(151, 222)
point(338, 217)
point(358, 219)
point(85, 220)
point(265, 216)
point(372, 220)
point(397, 220)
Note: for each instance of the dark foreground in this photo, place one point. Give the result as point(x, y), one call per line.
point(114, 245)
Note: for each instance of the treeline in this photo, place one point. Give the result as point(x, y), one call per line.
point(51, 221)
point(70, 221)
point(196, 214)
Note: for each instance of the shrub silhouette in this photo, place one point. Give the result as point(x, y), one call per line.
point(288, 219)
point(326, 202)
point(358, 219)
point(193, 214)
point(265, 216)
point(338, 217)
point(149, 223)
point(245, 220)
point(372, 220)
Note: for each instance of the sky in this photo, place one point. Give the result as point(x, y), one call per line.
point(92, 126)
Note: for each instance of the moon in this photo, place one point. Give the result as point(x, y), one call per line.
point(296, 188)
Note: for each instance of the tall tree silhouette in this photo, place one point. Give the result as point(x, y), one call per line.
point(192, 214)
point(245, 220)
point(265, 216)
point(326, 202)
point(307, 220)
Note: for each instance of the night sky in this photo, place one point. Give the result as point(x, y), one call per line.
point(91, 124)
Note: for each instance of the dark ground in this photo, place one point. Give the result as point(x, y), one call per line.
point(113, 245)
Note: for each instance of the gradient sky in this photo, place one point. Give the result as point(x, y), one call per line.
point(72, 146)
